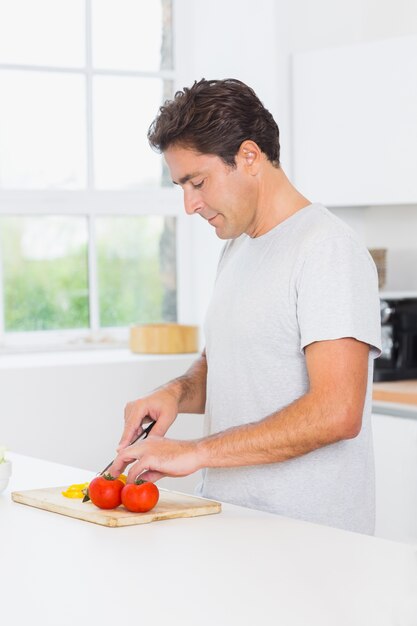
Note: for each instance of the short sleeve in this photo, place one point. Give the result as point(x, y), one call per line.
point(337, 294)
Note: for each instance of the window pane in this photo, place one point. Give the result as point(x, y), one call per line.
point(44, 261)
point(42, 32)
point(123, 111)
point(140, 34)
point(136, 269)
point(42, 130)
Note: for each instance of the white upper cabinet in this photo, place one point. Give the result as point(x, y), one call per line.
point(355, 123)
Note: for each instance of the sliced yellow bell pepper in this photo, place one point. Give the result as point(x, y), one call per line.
point(75, 491)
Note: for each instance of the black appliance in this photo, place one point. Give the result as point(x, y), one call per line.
point(398, 360)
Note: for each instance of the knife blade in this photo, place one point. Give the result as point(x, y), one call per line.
point(145, 432)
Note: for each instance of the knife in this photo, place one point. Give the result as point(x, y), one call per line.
point(146, 430)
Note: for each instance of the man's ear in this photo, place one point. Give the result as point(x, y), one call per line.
point(250, 154)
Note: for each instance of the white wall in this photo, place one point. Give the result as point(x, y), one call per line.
point(394, 228)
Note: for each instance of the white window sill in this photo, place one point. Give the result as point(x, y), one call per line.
point(84, 357)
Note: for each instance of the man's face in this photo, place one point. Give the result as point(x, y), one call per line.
point(224, 196)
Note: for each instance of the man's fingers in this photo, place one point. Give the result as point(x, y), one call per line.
point(116, 469)
point(137, 456)
point(152, 476)
point(129, 434)
point(161, 426)
point(121, 462)
point(126, 439)
point(136, 470)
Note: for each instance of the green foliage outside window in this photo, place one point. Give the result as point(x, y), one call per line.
point(45, 271)
point(43, 292)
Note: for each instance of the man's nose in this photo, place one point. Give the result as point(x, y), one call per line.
point(192, 202)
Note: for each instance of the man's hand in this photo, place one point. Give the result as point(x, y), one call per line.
point(185, 394)
point(156, 457)
point(161, 406)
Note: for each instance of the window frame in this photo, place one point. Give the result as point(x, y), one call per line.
point(93, 203)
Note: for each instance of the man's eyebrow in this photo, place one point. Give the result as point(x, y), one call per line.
point(186, 178)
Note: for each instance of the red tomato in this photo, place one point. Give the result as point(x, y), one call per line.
point(105, 491)
point(140, 496)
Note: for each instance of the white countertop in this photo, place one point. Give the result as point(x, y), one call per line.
point(396, 409)
point(240, 567)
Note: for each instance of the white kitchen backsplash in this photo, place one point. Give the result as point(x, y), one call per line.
point(393, 228)
point(401, 269)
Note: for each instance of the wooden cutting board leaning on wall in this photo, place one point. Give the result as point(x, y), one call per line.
point(170, 505)
point(167, 338)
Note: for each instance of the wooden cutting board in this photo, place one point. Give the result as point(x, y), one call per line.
point(171, 505)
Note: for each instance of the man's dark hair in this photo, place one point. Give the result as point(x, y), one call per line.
point(215, 117)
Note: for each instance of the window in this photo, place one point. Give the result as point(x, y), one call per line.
point(88, 224)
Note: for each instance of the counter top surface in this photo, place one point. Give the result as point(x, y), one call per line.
point(239, 567)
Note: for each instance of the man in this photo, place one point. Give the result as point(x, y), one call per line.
point(291, 331)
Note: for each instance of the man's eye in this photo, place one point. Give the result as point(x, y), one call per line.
point(198, 185)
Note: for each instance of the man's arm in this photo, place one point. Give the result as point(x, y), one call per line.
point(190, 388)
point(330, 411)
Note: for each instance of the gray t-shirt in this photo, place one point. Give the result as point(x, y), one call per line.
point(308, 279)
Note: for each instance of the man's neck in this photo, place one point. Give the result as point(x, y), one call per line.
point(278, 199)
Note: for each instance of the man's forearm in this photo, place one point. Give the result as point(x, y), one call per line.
point(190, 388)
point(305, 425)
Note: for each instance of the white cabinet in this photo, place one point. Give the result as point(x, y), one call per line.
point(355, 123)
point(395, 446)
